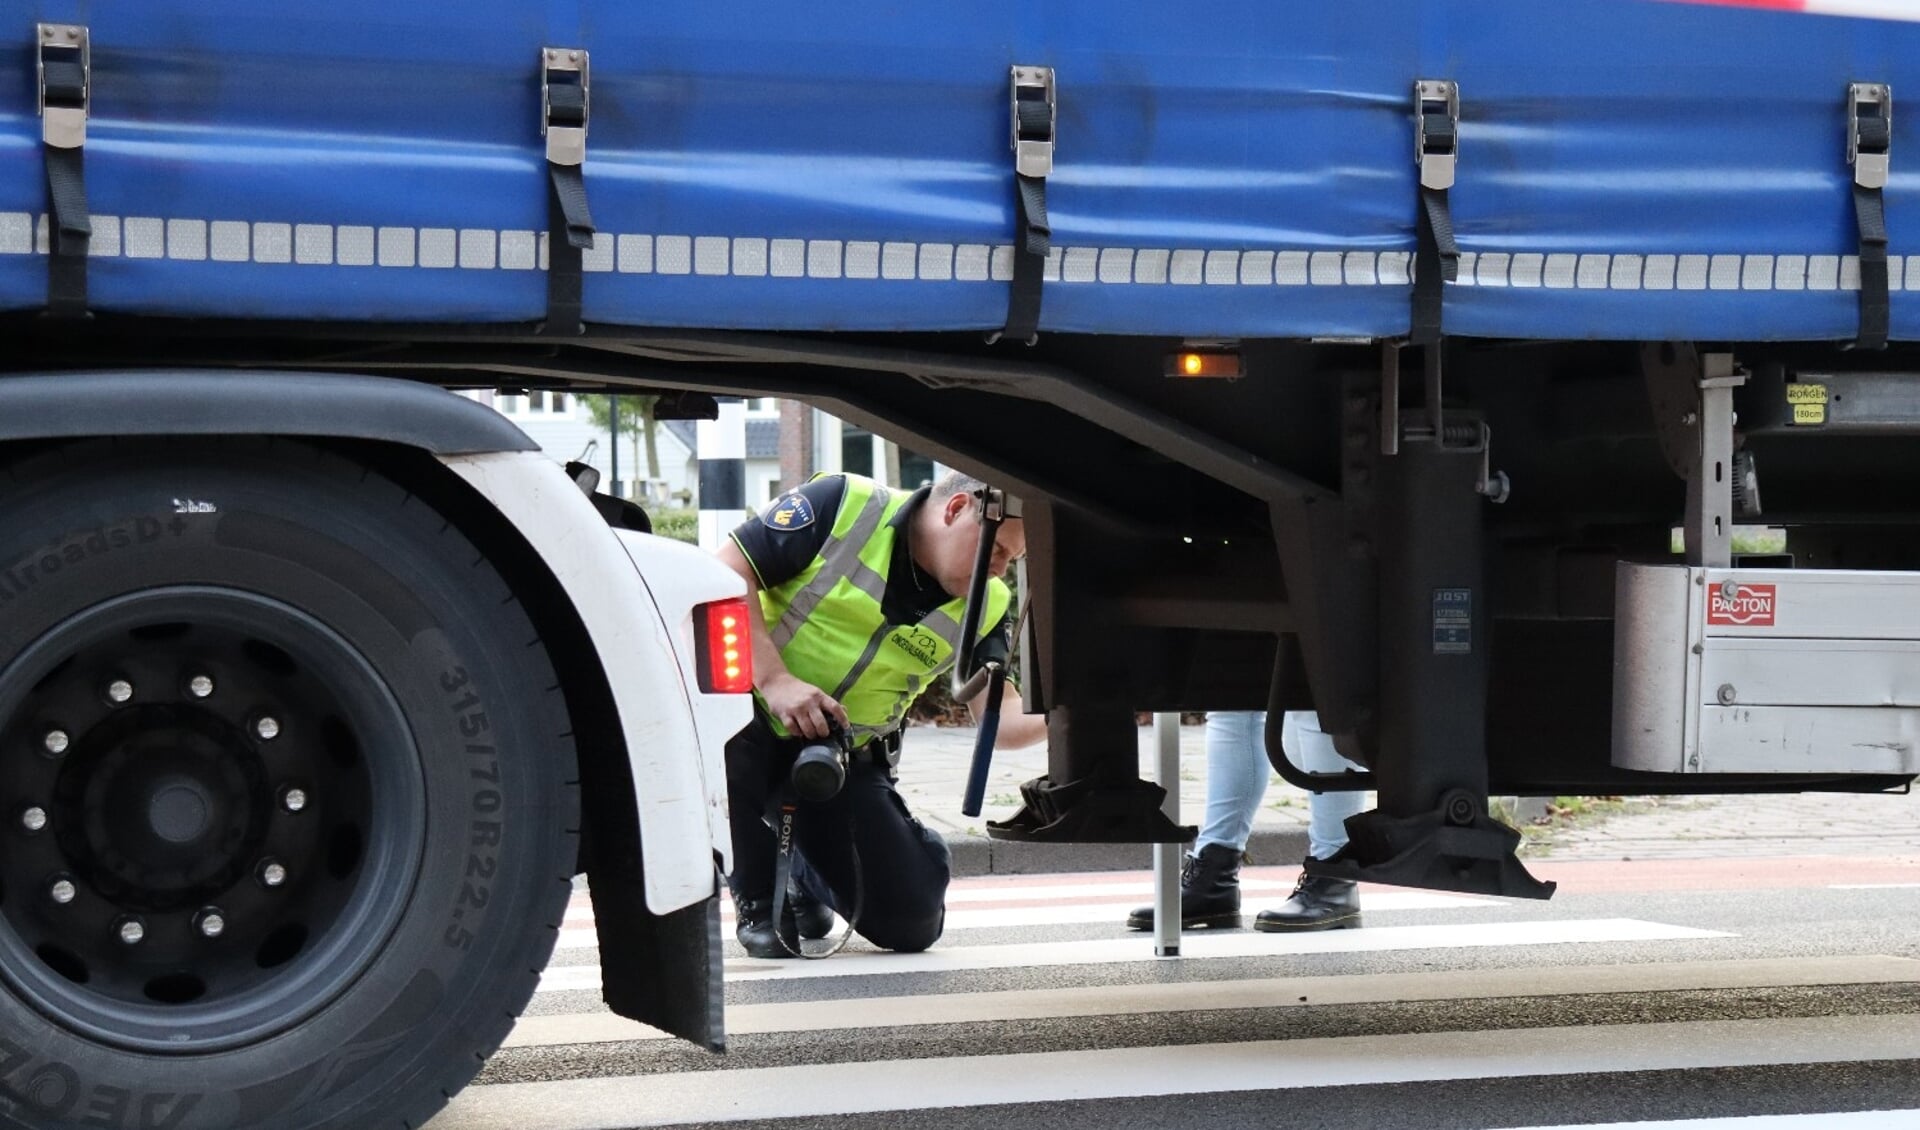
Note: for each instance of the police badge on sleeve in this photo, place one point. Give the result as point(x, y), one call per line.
point(791, 511)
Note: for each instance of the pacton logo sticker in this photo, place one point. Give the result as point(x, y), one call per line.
point(1751, 606)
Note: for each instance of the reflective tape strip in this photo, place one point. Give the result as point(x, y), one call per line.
point(375, 247)
point(865, 661)
point(946, 627)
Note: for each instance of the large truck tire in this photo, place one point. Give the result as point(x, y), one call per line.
point(288, 802)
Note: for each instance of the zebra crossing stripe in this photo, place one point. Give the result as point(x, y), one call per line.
point(960, 895)
point(1856, 1120)
point(1207, 996)
point(1264, 1065)
point(582, 936)
point(230, 241)
point(1373, 939)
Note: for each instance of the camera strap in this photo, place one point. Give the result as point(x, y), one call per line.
point(783, 874)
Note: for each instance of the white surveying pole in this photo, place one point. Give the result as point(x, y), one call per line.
point(721, 446)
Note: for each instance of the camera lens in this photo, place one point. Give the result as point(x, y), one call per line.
point(818, 772)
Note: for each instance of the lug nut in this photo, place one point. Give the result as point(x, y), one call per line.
point(212, 923)
point(268, 728)
point(200, 686)
point(272, 873)
point(293, 800)
point(33, 818)
point(132, 931)
point(62, 891)
point(56, 742)
point(119, 691)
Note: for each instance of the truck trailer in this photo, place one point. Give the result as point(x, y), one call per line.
point(1412, 361)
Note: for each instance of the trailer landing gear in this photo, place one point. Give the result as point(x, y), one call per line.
point(1101, 799)
point(1431, 827)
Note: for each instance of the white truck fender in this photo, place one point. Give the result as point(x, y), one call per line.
point(636, 595)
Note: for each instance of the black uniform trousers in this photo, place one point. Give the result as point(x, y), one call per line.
point(904, 866)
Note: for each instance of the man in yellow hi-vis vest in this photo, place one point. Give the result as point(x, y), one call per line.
point(862, 591)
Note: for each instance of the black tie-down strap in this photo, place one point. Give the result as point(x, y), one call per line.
point(1033, 128)
point(1033, 242)
point(1436, 257)
point(569, 223)
point(64, 78)
point(1436, 260)
point(1870, 151)
point(569, 232)
point(70, 233)
point(1876, 305)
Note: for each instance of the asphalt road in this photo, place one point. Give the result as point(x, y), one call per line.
point(1678, 992)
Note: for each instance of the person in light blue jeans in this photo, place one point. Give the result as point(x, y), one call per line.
point(1237, 776)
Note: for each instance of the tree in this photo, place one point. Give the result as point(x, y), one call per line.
point(642, 405)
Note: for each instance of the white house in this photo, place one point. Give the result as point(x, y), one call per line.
point(560, 424)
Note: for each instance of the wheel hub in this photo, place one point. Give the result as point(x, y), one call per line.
point(178, 811)
point(153, 880)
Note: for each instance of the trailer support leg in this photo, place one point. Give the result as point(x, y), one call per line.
point(1089, 795)
point(1431, 827)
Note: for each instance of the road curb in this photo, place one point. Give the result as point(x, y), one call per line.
point(977, 855)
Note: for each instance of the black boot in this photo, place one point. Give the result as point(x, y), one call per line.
point(753, 926)
point(811, 915)
point(1209, 892)
point(1316, 904)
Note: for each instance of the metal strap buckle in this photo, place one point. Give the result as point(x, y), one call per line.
point(993, 505)
point(1033, 143)
point(1436, 137)
point(563, 70)
point(63, 111)
point(1870, 104)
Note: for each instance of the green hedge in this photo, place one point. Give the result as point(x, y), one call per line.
point(680, 525)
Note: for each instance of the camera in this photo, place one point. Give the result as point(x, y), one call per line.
point(820, 769)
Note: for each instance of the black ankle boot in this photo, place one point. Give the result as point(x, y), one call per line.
point(1316, 904)
point(1209, 892)
point(753, 926)
point(811, 915)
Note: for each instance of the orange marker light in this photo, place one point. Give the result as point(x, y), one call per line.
point(1205, 363)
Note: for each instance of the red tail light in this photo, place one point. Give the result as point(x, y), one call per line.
point(723, 649)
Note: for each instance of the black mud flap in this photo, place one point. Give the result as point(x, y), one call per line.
point(660, 969)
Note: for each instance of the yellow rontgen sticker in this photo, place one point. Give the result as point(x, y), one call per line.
point(1809, 403)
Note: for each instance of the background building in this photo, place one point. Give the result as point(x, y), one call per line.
point(563, 427)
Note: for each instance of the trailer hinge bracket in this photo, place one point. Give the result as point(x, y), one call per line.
point(1870, 152)
point(1035, 113)
point(565, 100)
point(63, 65)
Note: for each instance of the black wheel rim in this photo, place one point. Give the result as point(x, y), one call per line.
point(213, 817)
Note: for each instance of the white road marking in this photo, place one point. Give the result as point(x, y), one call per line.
point(1858, 1120)
point(921, 1084)
point(1373, 939)
point(584, 937)
point(1205, 996)
point(582, 909)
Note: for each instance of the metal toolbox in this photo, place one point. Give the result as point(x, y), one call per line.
point(1766, 670)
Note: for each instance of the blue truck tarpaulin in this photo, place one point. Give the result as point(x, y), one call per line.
point(1628, 169)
